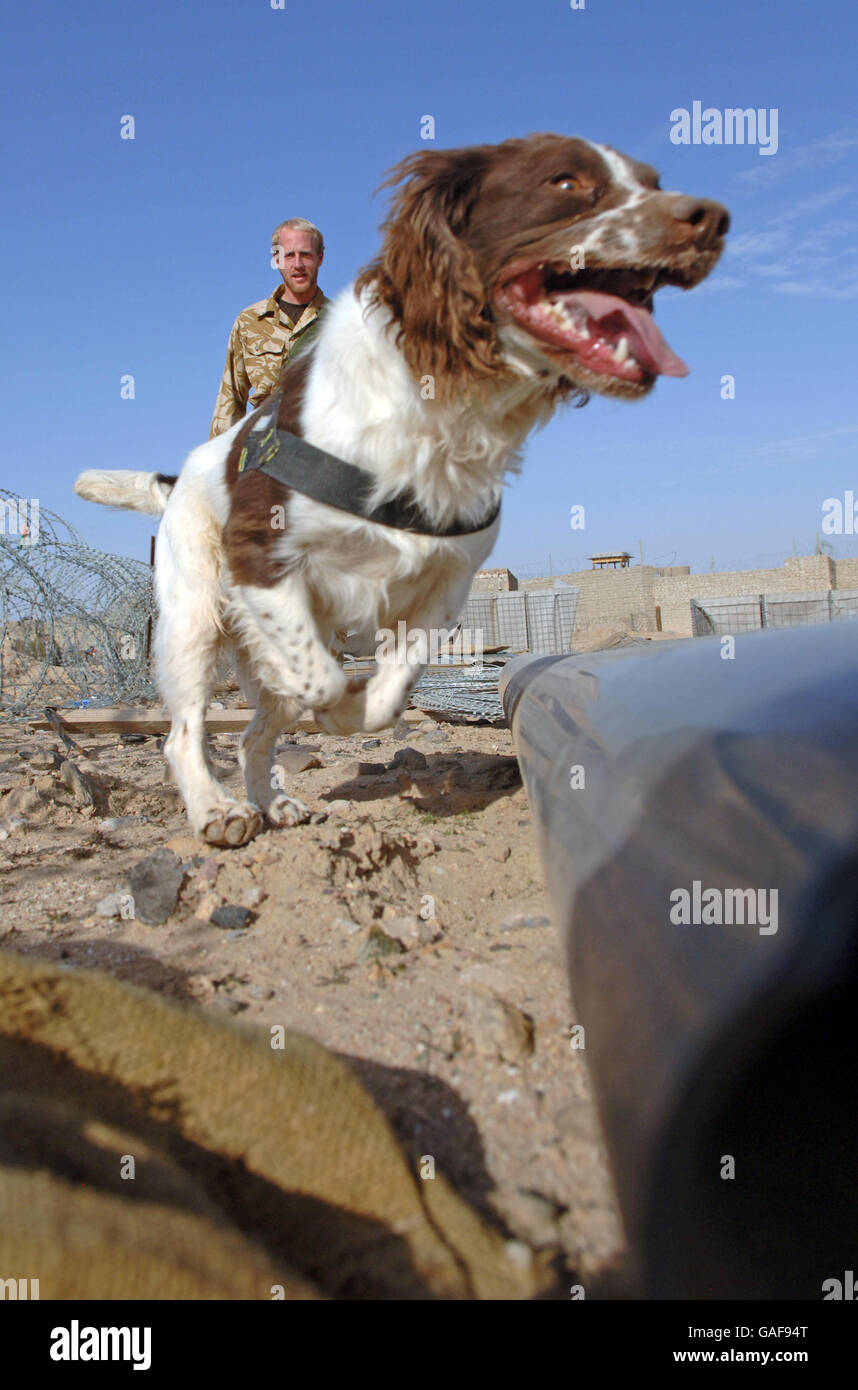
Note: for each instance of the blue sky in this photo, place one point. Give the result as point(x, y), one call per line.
point(135, 256)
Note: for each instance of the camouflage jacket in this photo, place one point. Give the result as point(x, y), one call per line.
point(263, 338)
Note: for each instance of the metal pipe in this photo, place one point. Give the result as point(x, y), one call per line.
point(719, 1024)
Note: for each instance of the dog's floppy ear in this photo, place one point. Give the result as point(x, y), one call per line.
point(426, 275)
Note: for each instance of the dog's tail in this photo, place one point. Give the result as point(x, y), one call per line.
point(136, 492)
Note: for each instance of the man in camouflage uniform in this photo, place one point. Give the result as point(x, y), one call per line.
point(271, 331)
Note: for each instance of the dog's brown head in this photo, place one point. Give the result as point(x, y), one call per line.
point(538, 257)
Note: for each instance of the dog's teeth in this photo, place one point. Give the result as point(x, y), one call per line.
point(559, 313)
point(621, 351)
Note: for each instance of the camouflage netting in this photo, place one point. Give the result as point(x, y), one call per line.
point(75, 623)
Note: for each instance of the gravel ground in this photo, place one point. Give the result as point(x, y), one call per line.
point(406, 928)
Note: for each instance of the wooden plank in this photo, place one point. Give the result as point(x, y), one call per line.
point(134, 719)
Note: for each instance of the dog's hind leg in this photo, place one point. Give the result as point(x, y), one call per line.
point(263, 778)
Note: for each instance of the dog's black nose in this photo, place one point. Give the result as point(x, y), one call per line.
point(710, 220)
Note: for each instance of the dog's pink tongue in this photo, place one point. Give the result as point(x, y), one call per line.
point(646, 342)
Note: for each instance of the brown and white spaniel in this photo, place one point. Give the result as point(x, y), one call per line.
point(511, 277)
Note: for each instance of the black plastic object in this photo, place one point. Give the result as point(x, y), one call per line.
point(714, 1048)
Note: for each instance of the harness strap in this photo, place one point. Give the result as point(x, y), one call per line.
point(298, 464)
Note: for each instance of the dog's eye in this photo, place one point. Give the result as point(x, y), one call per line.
point(568, 182)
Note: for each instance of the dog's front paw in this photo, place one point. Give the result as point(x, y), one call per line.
point(285, 810)
point(348, 714)
point(233, 824)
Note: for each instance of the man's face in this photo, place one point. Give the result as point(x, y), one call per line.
point(298, 262)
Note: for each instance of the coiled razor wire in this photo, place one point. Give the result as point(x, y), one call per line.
point(75, 623)
point(76, 627)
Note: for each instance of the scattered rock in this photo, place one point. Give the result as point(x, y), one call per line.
point(22, 802)
point(500, 1029)
point(209, 869)
point(518, 1254)
point(352, 771)
point(412, 930)
point(252, 897)
point(45, 762)
point(410, 758)
point(345, 924)
point(504, 773)
point(374, 943)
point(79, 781)
point(229, 1006)
point(10, 824)
point(340, 808)
point(519, 920)
point(154, 884)
point(535, 1214)
point(119, 822)
point(206, 906)
point(232, 916)
point(111, 906)
point(371, 743)
point(201, 988)
point(297, 760)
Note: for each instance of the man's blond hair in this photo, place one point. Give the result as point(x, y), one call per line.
point(297, 224)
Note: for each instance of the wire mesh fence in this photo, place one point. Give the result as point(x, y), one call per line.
point(75, 623)
point(525, 620)
point(745, 612)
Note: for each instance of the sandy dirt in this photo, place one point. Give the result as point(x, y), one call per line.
point(406, 927)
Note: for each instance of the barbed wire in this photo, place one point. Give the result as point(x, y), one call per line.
point(557, 566)
point(75, 622)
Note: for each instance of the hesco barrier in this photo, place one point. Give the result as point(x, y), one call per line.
point(746, 612)
point(525, 620)
point(698, 820)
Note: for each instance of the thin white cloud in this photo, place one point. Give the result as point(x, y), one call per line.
point(811, 204)
point(820, 289)
point(749, 245)
point(800, 446)
point(815, 155)
point(796, 253)
point(718, 282)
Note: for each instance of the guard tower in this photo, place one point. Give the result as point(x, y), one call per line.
point(619, 559)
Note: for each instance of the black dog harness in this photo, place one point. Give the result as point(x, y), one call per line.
point(294, 462)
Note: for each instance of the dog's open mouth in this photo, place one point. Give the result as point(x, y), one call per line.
point(603, 318)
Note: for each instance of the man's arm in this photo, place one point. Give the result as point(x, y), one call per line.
point(231, 404)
